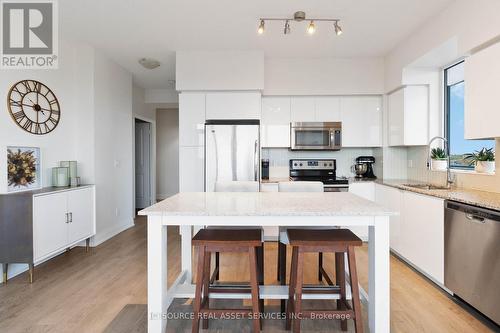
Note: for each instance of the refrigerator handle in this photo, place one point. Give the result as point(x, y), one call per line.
point(256, 161)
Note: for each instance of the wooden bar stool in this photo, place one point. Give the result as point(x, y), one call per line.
point(225, 240)
point(338, 241)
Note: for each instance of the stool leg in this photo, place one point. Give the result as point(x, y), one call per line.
point(356, 303)
point(320, 265)
point(255, 288)
point(282, 269)
point(298, 292)
point(340, 281)
point(199, 284)
point(260, 262)
point(217, 265)
point(206, 285)
point(291, 289)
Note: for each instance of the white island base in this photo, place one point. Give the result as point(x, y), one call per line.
point(188, 210)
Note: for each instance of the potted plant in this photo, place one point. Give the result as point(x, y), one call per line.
point(439, 159)
point(483, 160)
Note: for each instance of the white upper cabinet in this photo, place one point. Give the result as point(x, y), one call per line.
point(233, 105)
point(327, 108)
point(361, 121)
point(408, 116)
point(191, 119)
point(302, 108)
point(275, 124)
point(482, 75)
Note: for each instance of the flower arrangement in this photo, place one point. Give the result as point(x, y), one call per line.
point(22, 166)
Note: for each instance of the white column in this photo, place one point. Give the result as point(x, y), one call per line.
point(186, 256)
point(379, 276)
point(157, 275)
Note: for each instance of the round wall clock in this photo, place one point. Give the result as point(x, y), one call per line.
point(34, 107)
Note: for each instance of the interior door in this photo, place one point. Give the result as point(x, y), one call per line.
point(50, 227)
point(81, 208)
point(142, 165)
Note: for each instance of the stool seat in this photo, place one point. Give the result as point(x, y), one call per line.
point(323, 237)
point(240, 237)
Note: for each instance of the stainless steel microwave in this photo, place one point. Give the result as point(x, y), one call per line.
point(316, 136)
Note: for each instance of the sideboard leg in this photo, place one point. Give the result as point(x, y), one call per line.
point(31, 272)
point(87, 245)
point(5, 268)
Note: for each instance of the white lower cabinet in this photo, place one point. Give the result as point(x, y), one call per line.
point(422, 233)
point(365, 190)
point(417, 234)
point(61, 220)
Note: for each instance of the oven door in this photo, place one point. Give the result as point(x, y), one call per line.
point(315, 136)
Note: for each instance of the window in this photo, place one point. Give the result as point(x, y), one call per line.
point(454, 119)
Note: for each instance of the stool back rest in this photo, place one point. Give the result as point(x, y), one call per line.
point(300, 186)
point(237, 186)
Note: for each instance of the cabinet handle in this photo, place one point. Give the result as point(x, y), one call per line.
point(71, 217)
point(67, 217)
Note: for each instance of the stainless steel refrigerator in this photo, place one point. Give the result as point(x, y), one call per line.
point(232, 151)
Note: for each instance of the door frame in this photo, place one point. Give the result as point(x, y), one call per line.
point(152, 164)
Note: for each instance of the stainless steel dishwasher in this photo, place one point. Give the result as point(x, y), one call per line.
point(472, 256)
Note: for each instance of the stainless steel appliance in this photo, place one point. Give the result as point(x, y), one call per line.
point(316, 136)
point(265, 168)
point(365, 171)
point(472, 256)
point(318, 170)
point(232, 151)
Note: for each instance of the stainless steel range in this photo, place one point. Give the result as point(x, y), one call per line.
point(319, 170)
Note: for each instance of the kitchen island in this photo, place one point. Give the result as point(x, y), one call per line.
point(188, 210)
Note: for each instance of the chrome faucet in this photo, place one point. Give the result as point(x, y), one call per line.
point(449, 178)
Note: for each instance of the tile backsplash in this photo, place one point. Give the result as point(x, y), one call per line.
point(279, 159)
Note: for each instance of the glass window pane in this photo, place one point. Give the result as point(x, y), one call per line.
point(455, 114)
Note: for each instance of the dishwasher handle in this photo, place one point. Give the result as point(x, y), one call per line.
point(474, 218)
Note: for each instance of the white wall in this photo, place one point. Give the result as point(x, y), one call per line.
point(114, 147)
point(169, 96)
point(472, 23)
point(167, 152)
point(219, 70)
point(324, 76)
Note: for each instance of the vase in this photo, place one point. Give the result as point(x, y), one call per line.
point(439, 165)
point(485, 166)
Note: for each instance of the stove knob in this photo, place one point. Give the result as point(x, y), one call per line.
point(294, 164)
point(300, 164)
point(331, 164)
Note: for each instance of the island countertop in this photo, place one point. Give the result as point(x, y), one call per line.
point(266, 204)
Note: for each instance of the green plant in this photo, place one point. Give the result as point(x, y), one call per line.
point(438, 154)
point(483, 155)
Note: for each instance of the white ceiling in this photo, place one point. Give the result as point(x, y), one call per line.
point(127, 30)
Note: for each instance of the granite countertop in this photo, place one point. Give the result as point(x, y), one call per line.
point(490, 200)
point(266, 204)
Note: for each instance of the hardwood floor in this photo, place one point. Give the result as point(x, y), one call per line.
point(80, 292)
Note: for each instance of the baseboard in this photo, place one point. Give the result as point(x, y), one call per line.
point(103, 236)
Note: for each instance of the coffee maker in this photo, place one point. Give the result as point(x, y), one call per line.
point(368, 162)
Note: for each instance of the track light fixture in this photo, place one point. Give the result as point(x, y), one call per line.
point(260, 30)
point(299, 17)
point(311, 28)
point(338, 29)
point(286, 31)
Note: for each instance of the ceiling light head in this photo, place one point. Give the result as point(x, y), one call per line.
point(338, 29)
point(149, 63)
point(286, 30)
point(260, 30)
point(311, 28)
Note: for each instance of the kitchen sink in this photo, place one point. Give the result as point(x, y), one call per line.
point(426, 186)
